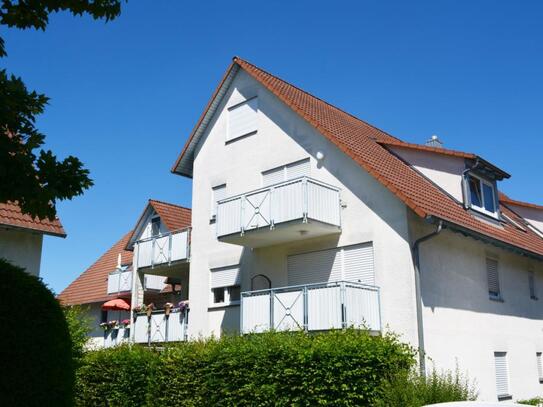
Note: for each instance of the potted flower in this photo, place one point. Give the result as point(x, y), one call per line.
point(149, 309)
point(167, 308)
point(125, 323)
point(113, 324)
point(104, 326)
point(183, 306)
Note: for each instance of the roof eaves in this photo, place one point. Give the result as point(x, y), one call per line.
point(179, 166)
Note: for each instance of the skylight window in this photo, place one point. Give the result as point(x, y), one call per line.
point(482, 195)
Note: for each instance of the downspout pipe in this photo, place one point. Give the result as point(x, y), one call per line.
point(416, 263)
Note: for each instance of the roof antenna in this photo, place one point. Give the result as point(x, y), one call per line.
point(434, 142)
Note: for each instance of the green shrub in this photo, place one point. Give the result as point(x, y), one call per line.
point(115, 376)
point(410, 389)
point(532, 402)
point(35, 346)
point(334, 368)
point(79, 325)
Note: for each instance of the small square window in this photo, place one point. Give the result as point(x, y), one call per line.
point(218, 295)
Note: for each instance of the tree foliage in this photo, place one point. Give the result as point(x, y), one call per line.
point(79, 324)
point(36, 180)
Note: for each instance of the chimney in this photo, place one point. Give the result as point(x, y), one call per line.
point(434, 142)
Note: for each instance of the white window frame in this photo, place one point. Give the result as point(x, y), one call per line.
point(227, 301)
point(482, 208)
point(229, 137)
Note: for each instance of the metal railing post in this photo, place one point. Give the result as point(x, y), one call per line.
point(305, 199)
point(272, 221)
point(343, 309)
point(241, 314)
point(272, 323)
point(170, 249)
point(242, 211)
point(306, 308)
point(153, 253)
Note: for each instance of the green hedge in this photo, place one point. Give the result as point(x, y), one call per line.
point(336, 368)
point(35, 346)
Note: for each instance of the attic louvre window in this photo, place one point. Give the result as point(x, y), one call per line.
point(481, 195)
point(539, 366)
point(242, 119)
point(531, 285)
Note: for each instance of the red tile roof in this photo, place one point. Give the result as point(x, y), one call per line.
point(11, 216)
point(174, 216)
point(91, 285)
point(361, 142)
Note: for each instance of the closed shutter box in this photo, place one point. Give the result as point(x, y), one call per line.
point(225, 276)
point(242, 119)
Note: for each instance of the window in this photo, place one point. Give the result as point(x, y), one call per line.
point(103, 316)
point(155, 226)
point(285, 172)
point(531, 285)
point(493, 279)
point(217, 193)
point(242, 119)
point(225, 285)
point(502, 375)
point(539, 366)
point(481, 195)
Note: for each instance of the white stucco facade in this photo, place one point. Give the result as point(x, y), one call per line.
point(462, 326)
point(370, 212)
point(23, 248)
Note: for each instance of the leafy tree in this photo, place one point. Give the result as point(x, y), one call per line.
point(37, 179)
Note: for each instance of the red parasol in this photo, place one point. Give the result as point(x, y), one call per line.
point(116, 305)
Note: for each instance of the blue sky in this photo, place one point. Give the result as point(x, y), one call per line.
point(125, 95)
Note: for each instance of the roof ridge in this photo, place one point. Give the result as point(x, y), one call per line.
point(171, 204)
point(237, 59)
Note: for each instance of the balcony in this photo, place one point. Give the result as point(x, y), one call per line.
point(312, 307)
point(164, 250)
point(288, 211)
point(121, 282)
point(159, 327)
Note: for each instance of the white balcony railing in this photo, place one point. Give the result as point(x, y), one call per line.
point(116, 337)
point(119, 281)
point(312, 307)
point(160, 327)
point(302, 198)
point(164, 249)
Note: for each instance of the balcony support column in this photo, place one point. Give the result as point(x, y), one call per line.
point(136, 298)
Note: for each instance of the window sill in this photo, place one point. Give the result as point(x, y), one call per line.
point(497, 299)
point(505, 397)
point(232, 140)
point(224, 305)
point(535, 299)
point(541, 380)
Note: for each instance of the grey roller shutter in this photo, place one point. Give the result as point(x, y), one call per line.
point(358, 264)
point(242, 119)
point(314, 267)
point(493, 277)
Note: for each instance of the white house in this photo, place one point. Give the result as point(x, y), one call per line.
point(152, 259)
point(305, 217)
point(21, 237)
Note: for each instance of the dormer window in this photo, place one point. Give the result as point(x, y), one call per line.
point(482, 195)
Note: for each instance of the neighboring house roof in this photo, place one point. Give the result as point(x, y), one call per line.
point(506, 200)
point(175, 217)
point(12, 216)
point(364, 144)
point(91, 285)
